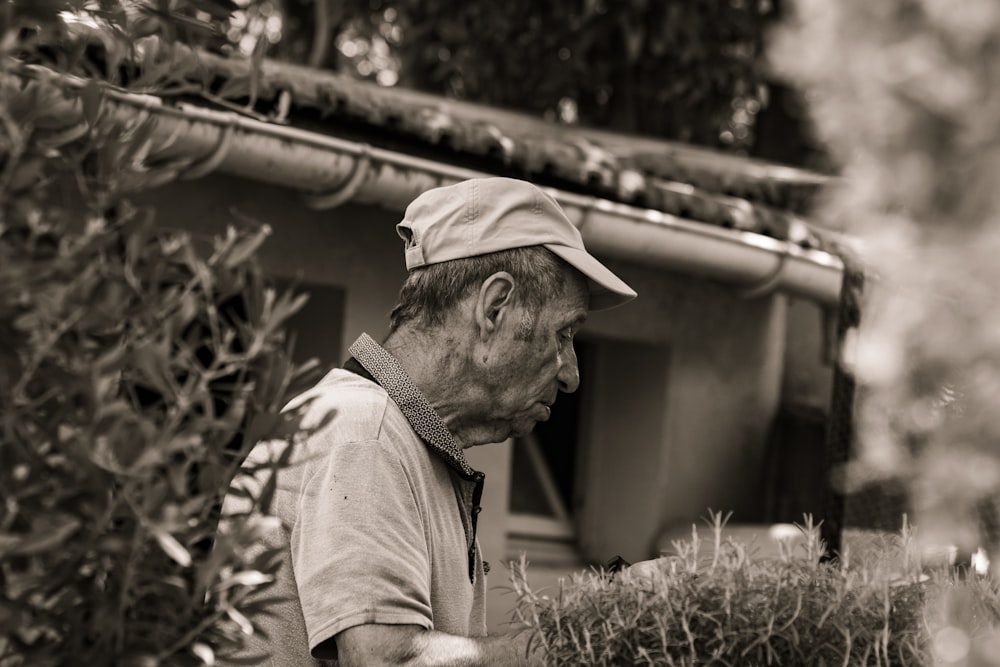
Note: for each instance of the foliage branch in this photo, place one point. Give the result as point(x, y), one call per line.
point(137, 365)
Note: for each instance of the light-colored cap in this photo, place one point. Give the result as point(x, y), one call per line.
point(485, 215)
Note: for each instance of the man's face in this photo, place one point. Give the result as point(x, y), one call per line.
point(533, 360)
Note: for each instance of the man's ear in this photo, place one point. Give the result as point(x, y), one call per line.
point(495, 297)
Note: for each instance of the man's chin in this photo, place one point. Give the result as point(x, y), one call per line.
point(522, 428)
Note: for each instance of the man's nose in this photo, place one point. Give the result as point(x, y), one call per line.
point(569, 372)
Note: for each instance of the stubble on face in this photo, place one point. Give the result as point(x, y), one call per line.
point(525, 331)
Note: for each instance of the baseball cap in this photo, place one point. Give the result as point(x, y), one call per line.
point(484, 215)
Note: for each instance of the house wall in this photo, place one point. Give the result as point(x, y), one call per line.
point(797, 472)
point(352, 247)
point(808, 373)
point(686, 379)
point(722, 357)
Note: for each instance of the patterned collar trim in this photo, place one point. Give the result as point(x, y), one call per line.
point(388, 372)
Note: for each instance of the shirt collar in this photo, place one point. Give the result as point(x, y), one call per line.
point(389, 374)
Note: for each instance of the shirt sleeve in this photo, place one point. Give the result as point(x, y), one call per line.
point(359, 552)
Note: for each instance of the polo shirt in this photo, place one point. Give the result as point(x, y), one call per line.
point(378, 508)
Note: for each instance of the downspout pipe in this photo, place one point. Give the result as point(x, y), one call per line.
point(331, 171)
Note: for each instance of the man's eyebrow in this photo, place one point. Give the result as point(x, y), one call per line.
point(579, 319)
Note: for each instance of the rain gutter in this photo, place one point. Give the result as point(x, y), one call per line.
point(331, 171)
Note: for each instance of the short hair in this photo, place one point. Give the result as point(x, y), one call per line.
point(430, 292)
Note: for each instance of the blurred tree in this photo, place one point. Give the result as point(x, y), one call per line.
point(920, 160)
point(689, 71)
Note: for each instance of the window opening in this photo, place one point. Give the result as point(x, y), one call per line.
point(317, 326)
point(543, 470)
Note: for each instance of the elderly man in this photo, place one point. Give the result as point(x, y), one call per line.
point(380, 505)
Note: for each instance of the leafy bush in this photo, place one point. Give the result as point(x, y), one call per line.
point(731, 608)
point(137, 365)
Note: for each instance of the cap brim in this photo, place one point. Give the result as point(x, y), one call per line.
point(606, 289)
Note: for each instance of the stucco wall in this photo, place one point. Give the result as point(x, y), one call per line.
point(808, 374)
point(354, 247)
point(724, 371)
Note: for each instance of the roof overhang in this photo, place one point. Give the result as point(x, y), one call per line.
point(330, 171)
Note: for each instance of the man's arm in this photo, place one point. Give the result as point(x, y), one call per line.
point(376, 645)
